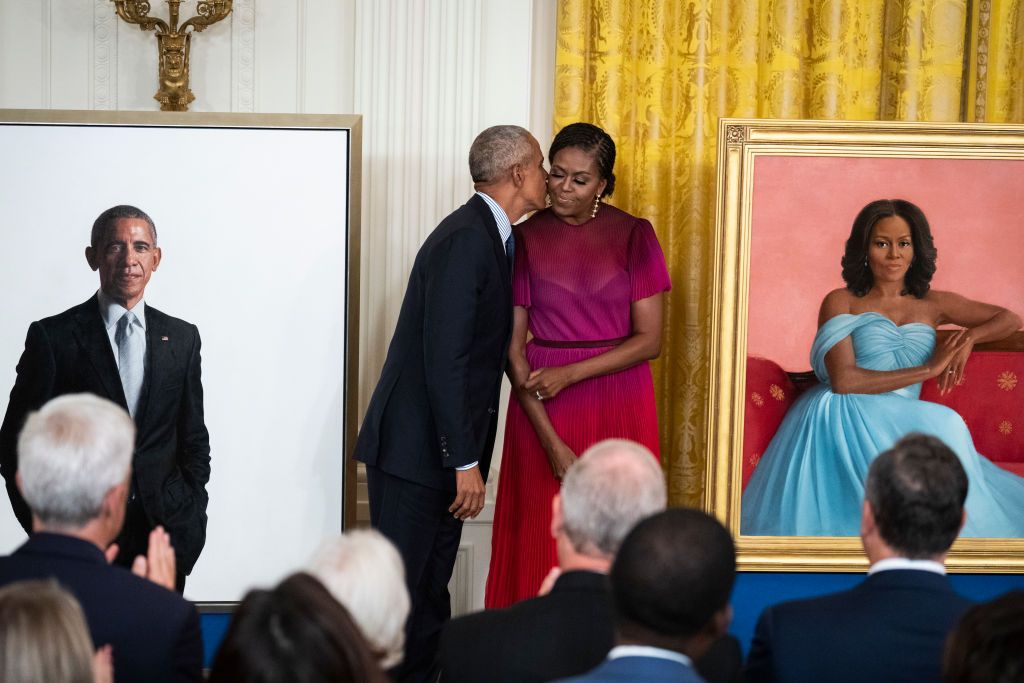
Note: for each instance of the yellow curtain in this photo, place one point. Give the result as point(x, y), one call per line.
point(657, 75)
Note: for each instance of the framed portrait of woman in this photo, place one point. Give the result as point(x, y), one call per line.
point(788, 196)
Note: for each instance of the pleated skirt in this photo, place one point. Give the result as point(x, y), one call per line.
point(619, 405)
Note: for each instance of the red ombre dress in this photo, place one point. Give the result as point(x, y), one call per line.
point(577, 282)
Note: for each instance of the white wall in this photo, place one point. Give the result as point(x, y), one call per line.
point(426, 75)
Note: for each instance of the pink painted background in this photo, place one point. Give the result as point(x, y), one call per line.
point(803, 208)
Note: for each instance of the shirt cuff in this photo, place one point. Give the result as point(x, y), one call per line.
point(468, 467)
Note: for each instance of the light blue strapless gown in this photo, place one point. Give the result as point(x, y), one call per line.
point(810, 481)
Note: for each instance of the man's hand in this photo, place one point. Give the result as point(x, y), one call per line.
point(469, 494)
point(103, 665)
point(158, 564)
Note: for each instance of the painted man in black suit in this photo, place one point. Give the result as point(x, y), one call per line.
point(892, 626)
point(569, 630)
point(75, 473)
point(429, 429)
point(116, 346)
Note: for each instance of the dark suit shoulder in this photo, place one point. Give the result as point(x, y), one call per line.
point(880, 586)
point(154, 631)
point(565, 632)
point(158, 317)
point(474, 216)
point(86, 309)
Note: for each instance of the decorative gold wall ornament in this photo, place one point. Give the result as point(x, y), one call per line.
point(173, 43)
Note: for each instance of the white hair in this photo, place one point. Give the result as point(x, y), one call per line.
point(70, 454)
point(364, 572)
point(614, 484)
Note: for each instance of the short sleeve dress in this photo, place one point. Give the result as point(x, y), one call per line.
point(577, 283)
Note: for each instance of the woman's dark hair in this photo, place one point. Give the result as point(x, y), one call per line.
point(295, 633)
point(988, 644)
point(593, 140)
point(856, 271)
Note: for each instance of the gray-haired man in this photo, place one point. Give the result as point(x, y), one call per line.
point(429, 429)
point(75, 458)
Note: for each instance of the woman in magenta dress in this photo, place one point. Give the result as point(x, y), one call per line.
point(587, 285)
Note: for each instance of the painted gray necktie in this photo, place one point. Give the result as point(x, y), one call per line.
point(130, 340)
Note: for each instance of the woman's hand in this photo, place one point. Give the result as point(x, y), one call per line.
point(953, 374)
point(560, 457)
point(945, 352)
point(545, 383)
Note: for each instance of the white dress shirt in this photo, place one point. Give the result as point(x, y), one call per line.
point(648, 651)
point(111, 312)
point(906, 563)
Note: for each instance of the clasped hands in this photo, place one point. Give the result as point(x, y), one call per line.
point(545, 383)
point(158, 564)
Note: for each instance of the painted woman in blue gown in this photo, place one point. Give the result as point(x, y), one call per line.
point(876, 344)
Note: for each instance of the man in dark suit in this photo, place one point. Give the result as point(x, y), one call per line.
point(671, 582)
point(75, 456)
point(429, 429)
point(117, 347)
point(612, 486)
point(893, 625)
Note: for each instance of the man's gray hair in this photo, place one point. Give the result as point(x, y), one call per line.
point(70, 454)
point(496, 150)
point(364, 572)
point(615, 484)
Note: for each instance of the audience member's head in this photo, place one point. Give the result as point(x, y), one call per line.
point(613, 485)
point(43, 635)
point(364, 572)
point(74, 461)
point(914, 500)
point(988, 644)
point(295, 633)
point(671, 582)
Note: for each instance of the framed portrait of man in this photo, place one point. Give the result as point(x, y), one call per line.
point(788, 196)
point(258, 223)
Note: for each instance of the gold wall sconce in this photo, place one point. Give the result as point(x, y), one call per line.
point(173, 43)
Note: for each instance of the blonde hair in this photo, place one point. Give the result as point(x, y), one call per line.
point(43, 635)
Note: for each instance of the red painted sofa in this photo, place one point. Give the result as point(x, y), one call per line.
point(991, 401)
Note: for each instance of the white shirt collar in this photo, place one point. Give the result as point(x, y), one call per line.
point(648, 651)
point(111, 311)
point(905, 563)
point(500, 217)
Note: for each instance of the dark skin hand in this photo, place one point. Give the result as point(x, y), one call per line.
point(533, 387)
point(469, 494)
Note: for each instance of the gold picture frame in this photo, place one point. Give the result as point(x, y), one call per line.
point(837, 152)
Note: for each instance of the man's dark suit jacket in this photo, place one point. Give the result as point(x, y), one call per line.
point(70, 353)
point(436, 404)
point(567, 632)
point(890, 627)
point(154, 632)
